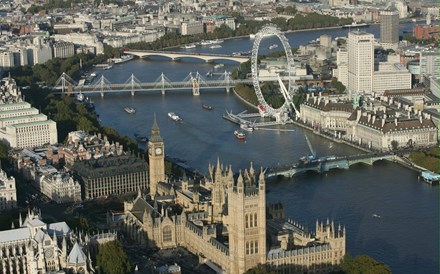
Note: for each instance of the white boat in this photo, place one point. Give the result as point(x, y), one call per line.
point(376, 216)
point(355, 25)
point(215, 47)
point(174, 116)
point(240, 135)
point(191, 46)
point(247, 127)
point(251, 36)
point(205, 43)
point(93, 74)
point(273, 46)
point(211, 42)
point(80, 97)
point(130, 110)
point(219, 66)
point(123, 59)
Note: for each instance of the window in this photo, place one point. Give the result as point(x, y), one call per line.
point(256, 246)
point(167, 234)
point(255, 219)
point(247, 220)
point(247, 248)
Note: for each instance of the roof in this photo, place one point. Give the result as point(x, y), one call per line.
point(76, 255)
point(13, 235)
point(59, 228)
point(32, 124)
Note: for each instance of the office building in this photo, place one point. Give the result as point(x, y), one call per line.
point(360, 61)
point(389, 29)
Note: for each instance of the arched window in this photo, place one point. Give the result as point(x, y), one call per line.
point(252, 248)
point(167, 234)
point(247, 220)
point(255, 219)
point(250, 220)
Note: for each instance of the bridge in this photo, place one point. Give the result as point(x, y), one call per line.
point(193, 81)
point(179, 55)
point(324, 164)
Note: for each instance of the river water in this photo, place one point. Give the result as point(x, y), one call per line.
point(406, 237)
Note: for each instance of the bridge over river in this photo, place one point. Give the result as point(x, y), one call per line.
point(179, 55)
point(324, 164)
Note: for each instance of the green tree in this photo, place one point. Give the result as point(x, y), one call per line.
point(259, 269)
point(337, 85)
point(112, 259)
point(394, 144)
point(363, 265)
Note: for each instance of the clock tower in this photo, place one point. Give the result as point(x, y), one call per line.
point(156, 158)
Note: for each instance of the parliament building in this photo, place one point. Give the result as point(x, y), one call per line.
point(224, 220)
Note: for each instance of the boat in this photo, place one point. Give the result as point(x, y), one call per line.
point(108, 67)
point(79, 97)
point(209, 74)
point(247, 127)
point(190, 46)
point(218, 66)
point(251, 36)
point(206, 106)
point(216, 41)
point(174, 116)
point(140, 138)
point(376, 216)
point(273, 46)
point(130, 110)
point(123, 59)
point(205, 43)
point(215, 46)
point(356, 25)
point(240, 135)
point(430, 177)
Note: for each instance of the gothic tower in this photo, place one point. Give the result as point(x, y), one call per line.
point(156, 158)
point(247, 221)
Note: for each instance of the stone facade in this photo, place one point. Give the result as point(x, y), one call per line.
point(8, 192)
point(37, 248)
point(222, 218)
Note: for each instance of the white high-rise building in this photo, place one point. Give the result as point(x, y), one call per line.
point(360, 61)
point(402, 8)
point(429, 63)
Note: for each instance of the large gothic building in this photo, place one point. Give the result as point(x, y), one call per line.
point(223, 219)
point(38, 248)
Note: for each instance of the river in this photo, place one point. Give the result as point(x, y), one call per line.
point(406, 236)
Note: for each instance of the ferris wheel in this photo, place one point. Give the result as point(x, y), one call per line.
point(264, 108)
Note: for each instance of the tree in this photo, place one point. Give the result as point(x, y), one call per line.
point(259, 269)
point(363, 264)
point(394, 144)
point(112, 259)
point(337, 85)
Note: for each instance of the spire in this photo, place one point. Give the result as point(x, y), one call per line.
point(184, 177)
point(20, 220)
point(155, 127)
point(251, 170)
point(240, 180)
point(12, 225)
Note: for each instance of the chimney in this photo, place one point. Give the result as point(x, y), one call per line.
point(395, 121)
point(409, 114)
point(369, 117)
point(358, 116)
point(326, 101)
point(420, 119)
point(314, 100)
point(383, 122)
point(399, 105)
point(374, 119)
point(307, 97)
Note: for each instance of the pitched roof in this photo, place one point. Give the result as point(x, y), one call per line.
point(76, 255)
point(13, 235)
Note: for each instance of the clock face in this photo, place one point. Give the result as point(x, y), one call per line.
point(158, 151)
point(48, 253)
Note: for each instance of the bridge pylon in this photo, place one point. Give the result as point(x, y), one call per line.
point(102, 86)
point(132, 83)
point(163, 83)
point(226, 77)
point(65, 82)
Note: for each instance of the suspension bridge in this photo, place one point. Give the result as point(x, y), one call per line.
point(193, 81)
